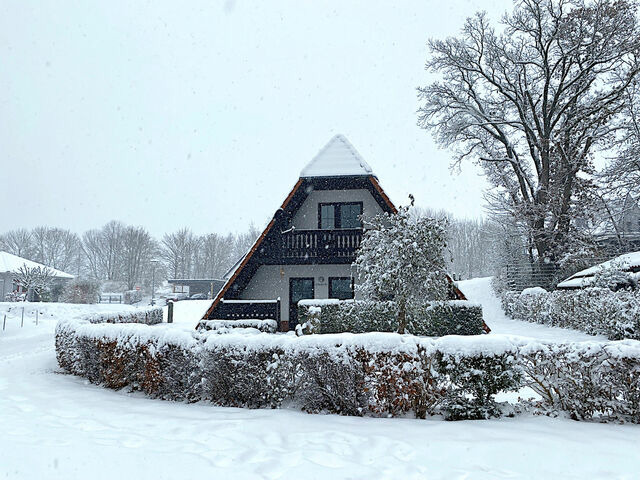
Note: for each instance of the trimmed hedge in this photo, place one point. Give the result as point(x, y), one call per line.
point(435, 319)
point(225, 326)
point(597, 311)
point(149, 316)
point(379, 374)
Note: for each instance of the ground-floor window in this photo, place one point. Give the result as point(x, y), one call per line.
point(341, 288)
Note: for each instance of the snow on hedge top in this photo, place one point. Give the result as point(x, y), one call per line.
point(338, 158)
point(13, 263)
point(629, 262)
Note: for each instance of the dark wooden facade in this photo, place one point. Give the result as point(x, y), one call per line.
point(281, 244)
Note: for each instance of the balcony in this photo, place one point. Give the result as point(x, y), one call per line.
point(313, 247)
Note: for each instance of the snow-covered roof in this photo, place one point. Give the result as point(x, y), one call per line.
point(629, 261)
point(12, 263)
point(338, 158)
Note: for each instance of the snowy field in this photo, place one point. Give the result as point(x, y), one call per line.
point(57, 426)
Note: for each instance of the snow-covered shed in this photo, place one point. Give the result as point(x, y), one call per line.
point(10, 264)
point(629, 262)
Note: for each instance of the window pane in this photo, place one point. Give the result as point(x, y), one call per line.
point(340, 288)
point(327, 216)
point(349, 216)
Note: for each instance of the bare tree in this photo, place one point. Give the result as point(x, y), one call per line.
point(138, 248)
point(470, 250)
point(532, 103)
point(621, 177)
point(35, 280)
point(178, 251)
point(103, 251)
point(18, 242)
point(216, 255)
point(244, 241)
point(92, 249)
point(57, 248)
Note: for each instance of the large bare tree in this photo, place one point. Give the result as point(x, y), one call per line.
point(620, 180)
point(18, 242)
point(57, 248)
point(103, 251)
point(532, 101)
point(138, 249)
point(178, 250)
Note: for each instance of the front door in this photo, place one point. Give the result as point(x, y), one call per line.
point(299, 289)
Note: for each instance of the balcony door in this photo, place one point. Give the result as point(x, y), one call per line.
point(299, 289)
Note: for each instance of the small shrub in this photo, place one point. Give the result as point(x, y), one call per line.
point(475, 380)
point(131, 297)
point(332, 384)
point(81, 291)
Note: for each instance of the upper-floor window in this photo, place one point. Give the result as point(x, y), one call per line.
point(339, 215)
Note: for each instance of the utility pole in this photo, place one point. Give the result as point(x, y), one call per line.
point(153, 281)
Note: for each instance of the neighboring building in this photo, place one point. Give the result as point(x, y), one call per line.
point(191, 286)
point(10, 264)
point(307, 249)
point(629, 262)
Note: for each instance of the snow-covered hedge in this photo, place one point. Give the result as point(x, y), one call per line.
point(593, 310)
point(225, 326)
point(453, 317)
point(150, 316)
point(380, 374)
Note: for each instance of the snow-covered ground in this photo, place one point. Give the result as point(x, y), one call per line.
point(58, 426)
point(188, 312)
point(479, 290)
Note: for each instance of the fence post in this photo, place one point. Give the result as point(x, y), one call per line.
point(36, 317)
point(170, 313)
point(4, 322)
point(22, 320)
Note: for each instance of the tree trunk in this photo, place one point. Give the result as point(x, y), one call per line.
point(402, 317)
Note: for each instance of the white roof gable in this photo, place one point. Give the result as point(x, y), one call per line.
point(12, 263)
point(338, 158)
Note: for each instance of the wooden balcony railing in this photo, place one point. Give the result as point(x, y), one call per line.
point(323, 245)
point(246, 309)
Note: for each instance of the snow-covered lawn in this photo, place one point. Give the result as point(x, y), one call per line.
point(57, 426)
point(479, 290)
point(188, 312)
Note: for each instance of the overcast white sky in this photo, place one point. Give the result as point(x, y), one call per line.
point(163, 115)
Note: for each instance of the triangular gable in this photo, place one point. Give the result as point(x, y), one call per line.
point(251, 252)
point(296, 191)
point(338, 158)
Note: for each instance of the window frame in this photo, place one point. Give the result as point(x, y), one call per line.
point(353, 292)
point(337, 214)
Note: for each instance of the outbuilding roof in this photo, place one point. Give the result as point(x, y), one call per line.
point(629, 262)
point(13, 263)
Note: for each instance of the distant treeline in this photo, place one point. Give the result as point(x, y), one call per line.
point(125, 254)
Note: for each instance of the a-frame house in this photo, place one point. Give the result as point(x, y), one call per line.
point(307, 249)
